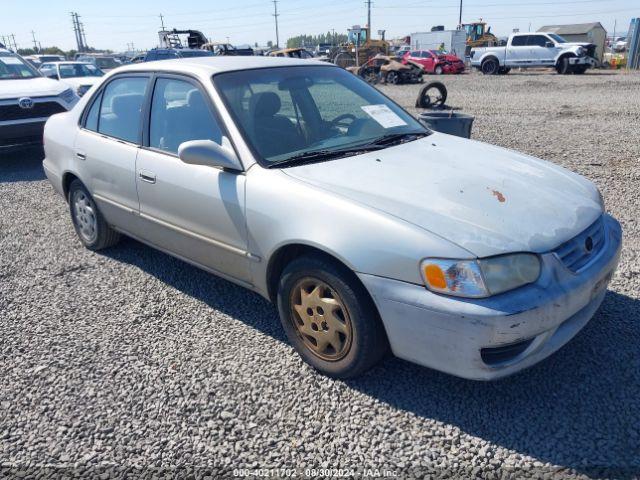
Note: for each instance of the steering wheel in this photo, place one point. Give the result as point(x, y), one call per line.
point(340, 118)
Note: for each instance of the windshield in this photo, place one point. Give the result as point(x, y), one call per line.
point(195, 53)
point(13, 67)
point(557, 38)
point(79, 70)
point(107, 62)
point(289, 112)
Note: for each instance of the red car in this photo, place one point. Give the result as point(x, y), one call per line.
point(436, 62)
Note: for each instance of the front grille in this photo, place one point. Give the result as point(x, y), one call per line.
point(39, 110)
point(578, 252)
point(497, 355)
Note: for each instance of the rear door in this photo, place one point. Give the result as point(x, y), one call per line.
point(518, 53)
point(193, 211)
point(107, 145)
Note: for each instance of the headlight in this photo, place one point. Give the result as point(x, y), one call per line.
point(68, 95)
point(480, 278)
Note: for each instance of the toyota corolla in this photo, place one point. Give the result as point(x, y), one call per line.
point(369, 232)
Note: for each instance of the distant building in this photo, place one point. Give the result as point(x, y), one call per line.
point(581, 32)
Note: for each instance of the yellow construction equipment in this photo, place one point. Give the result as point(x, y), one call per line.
point(479, 35)
point(359, 49)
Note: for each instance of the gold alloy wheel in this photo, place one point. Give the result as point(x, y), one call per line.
point(321, 319)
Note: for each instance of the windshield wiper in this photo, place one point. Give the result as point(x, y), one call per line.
point(377, 144)
point(319, 155)
point(395, 139)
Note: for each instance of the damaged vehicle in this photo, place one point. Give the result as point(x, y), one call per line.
point(299, 181)
point(535, 50)
point(387, 69)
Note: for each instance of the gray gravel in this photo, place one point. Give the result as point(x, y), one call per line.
point(129, 362)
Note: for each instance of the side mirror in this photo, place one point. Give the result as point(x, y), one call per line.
point(549, 44)
point(209, 153)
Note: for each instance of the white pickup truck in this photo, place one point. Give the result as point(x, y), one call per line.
point(540, 49)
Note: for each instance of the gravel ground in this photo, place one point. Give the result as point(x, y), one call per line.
point(129, 362)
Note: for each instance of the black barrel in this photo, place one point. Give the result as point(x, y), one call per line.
point(458, 124)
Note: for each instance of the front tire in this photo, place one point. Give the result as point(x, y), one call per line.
point(564, 67)
point(91, 227)
point(438, 70)
point(329, 317)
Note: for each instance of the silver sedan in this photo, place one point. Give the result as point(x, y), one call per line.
point(370, 232)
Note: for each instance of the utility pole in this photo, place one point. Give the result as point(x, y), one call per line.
point(162, 21)
point(35, 44)
point(83, 37)
point(276, 15)
point(15, 45)
point(333, 39)
point(460, 16)
point(368, 4)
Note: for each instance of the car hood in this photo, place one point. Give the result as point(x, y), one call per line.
point(483, 198)
point(30, 87)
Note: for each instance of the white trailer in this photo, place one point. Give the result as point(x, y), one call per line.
point(455, 41)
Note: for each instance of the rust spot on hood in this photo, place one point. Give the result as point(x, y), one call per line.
point(501, 198)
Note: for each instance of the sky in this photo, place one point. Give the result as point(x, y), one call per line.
point(113, 24)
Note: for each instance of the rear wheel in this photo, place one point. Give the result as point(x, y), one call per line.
point(91, 227)
point(393, 78)
point(438, 70)
point(490, 66)
point(329, 317)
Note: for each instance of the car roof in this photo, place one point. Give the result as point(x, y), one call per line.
point(207, 66)
point(68, 62)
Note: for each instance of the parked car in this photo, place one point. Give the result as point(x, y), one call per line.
point(527, 50)
point(386, 69)
point(323, 50)
point(292, 53)
point(104, 63)
point(27, 99)
point(173, 53)
point(78, 75)
point(312, 188)
point(434, 61)
point(37, 60)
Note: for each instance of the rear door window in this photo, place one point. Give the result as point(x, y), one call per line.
point(519, 41)
point(120, 112)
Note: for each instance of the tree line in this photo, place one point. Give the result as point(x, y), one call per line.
point(313, 40)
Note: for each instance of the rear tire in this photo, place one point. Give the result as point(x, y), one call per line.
point(490, 66)
point(334, 308)
point(91, 227)
point(438, 70)
point(393, 78)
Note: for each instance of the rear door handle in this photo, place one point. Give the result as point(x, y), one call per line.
point(81, 156)
point(147, 176)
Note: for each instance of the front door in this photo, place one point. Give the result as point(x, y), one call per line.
point(539, 52)
point(194, 211)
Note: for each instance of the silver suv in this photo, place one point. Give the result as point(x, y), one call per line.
point(27, 100)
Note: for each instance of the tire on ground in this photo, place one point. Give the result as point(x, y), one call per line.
point(106, 236)
point(490, 66)
point(369, 342)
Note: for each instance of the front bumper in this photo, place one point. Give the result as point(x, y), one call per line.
point(453, 68)
point(585, 60)
point(14, 135)
point(453, 335)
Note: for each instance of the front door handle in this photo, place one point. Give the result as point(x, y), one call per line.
point(147, 176)
point(81, 156)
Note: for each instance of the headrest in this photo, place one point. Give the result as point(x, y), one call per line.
point(126, 104)
point(195, 99)
point(265, 104)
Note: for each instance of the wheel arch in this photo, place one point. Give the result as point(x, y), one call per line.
point(67, 178)
point(489, 56)
point(284, 254)
point(563, 55)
